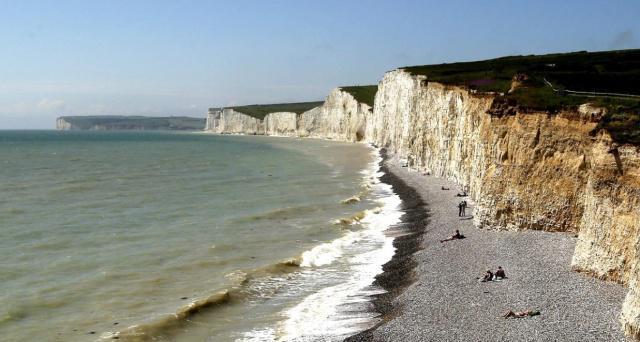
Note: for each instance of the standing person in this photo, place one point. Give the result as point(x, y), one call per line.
point(460, 209)
point(464, 206)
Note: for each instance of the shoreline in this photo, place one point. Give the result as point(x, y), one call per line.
point(399, 272)
point(433, 290)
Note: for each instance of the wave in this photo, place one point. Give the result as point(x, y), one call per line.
point(238, 290)
point(278, 214)
point(355, 218)
point(351, 200)
point(148, 331)
point(339, 310)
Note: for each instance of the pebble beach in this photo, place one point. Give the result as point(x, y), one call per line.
point(434, 288)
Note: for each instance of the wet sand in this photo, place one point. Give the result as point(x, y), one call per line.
point(434, 290)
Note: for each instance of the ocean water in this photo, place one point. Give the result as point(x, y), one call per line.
point(153, 236)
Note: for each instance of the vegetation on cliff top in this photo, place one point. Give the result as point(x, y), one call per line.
point(259, 111)
point(548, 83)
point(365, 94)
point(116, 122)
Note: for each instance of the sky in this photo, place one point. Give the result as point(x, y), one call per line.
point(182, 57)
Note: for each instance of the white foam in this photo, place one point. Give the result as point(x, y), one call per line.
point(319, 316)
point(326, 253)
point(260, 335)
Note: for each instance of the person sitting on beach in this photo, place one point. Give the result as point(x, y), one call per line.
point(443, 188)
point(500, 273)
point(487, 276)
point(455, 236)
point(521, 314)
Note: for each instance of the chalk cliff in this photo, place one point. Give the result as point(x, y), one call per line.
point(232, 122)
point(524, 170)
point(341, 117)
point(280, 123)
point(63, 125)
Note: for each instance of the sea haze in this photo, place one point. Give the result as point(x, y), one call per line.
point(188, 237)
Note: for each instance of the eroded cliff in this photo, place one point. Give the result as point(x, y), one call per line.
point(63, 125)
point(340, 117)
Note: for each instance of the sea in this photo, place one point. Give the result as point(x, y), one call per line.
point(172, 236)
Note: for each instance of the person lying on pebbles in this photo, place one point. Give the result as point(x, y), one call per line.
point(487, 276)
point(456, 236)
point(521, 314)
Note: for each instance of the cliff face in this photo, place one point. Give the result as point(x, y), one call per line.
point(341, 117)
point(524, 171)
point(63, 125)
point(609, 240)
point(281, 123)
point(230, 121)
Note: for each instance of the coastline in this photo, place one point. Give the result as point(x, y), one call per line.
point(433, 290)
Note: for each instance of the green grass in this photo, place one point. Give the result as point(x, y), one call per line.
point(365, 94)
point(116, 122)
point(259, 111)
point(607, 71)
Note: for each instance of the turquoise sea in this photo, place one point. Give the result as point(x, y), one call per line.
point(160, 236)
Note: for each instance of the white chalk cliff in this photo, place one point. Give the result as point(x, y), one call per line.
point(524, 170)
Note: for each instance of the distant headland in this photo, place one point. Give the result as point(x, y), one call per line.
point(139, 123)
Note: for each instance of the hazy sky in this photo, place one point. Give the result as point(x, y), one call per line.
point(181, 57)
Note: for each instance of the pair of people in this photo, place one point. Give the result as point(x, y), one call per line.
point(489, 276)
point(461, 208)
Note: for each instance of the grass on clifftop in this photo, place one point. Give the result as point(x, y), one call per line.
point(259, 111)
point(365, 94)
point(600, 72)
